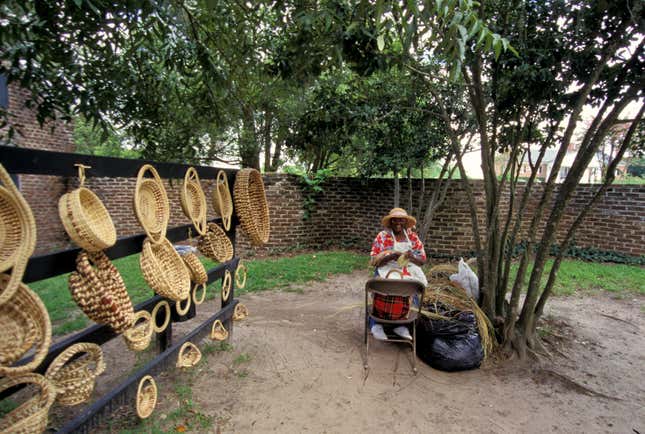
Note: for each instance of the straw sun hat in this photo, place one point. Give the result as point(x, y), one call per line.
point(399, 213)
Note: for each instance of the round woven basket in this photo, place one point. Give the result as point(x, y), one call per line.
point(32, 415)
point(226, 285)
point(25, 325)
point(151, 204)
point(240, 312)
point(86, 220)
point(218, 331)
point(251, 205)
point(240, 275)
point(74, 380)
point(98, 289)
point(193, 200)
point(189, 355)
point(17, 234)
point(196, 268)
point(215, 244)
point(164, 270)
point(153, 314)
point(146, 397)
point(138, 337)
point(221, 198)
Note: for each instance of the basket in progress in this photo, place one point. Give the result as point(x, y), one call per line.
point(164, 270)
point(17, 234)
point(189, 355)
point(240, 312)
point(32, 415)
point(151, 204)
point(74, 380)
point(222, 202)
point(138, 337)
point(98, 289)
point(195, 267)
point(251, 205)
point(226, 285)
point(25, 325)
point(146, 397)
point(193, 200)
point(218, 331)
point(214, 244)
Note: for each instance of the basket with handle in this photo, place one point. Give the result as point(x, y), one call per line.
point(138, 337)
point(240, 312)
point(189, 355)
point(251, 205)
point(25, 326)
point(193, 200)
point(214, 244)
point(74, 377)
point(146, 397)
point(164, 270)
point(221, 198)
point(17, 234)
point(151, 204)
point(32, 415)
point(218, 331)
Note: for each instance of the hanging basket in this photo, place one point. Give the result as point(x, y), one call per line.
point(251, 205)
point(32, 415)
point(218, 331)
point(222, 202)
point(240, 275)
point(195, 267)
point(74, 380)
point(193, 200)
point(146, 397)
point(155, 310)
point(189, 355)
point(240, 312)
point(98, 289)
point(226, 286)
point(17, 234)
point(25, 326)
point(183, 310)
point(164, 270)
point(138, 337)
point(199, 300)
point(215, 244)
point(151, 204)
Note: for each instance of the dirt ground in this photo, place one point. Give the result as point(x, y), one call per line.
point(296, 365)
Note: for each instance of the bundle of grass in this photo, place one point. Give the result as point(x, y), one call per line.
point(442, 272)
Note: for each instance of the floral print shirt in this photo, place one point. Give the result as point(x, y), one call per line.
point(385, 241)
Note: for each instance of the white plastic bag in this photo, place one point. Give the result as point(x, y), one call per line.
point(467, 279)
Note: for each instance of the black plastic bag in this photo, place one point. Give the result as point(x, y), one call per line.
point(456, 353)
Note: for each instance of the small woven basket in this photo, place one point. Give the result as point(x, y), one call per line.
point(164, 270)
point(221, 198)
point(17, 234)
point(199, 300)
point(240, 275)
point(155, 310)
point(226, 285)
point(215, 244)
point(183, 310)
point(31, 416)
point(218, 331)
point(189, 355)
point(251, 205)
point(98, 289)
point(25, 325)
point(74, 380)
point(151, 204)
point(146, 397)
point(193, 200)
point(138, 337)
point(240, 312)
point(195, 267)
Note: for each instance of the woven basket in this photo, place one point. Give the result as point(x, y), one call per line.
point(138, 337)
point(221, 197)
point(146, 397)
point(151, 204)
point(17, 234)
point(189, 355)
point(31, 416)
point(25, 325)
point(196, 268)
point(183, 310)
point(74, 380)
point(155, 310)
point(240, 275)
point(193, 200)
point(226, 285)
point(86, 220)
point(164, 270)
point(240, 312)
point(201, 299)
point(98, 289)
point(215, 244)
point(218, 331)
point(251, 205)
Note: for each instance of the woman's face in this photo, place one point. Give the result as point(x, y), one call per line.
point(398, 224)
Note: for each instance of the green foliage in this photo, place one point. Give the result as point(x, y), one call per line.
point(312, 186)
point(92, 141)
point(586, 254)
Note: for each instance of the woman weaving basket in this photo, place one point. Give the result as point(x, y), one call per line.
point(397, 249)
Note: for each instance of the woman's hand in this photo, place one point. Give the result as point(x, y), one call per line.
point(413, 258)
point(389, 255)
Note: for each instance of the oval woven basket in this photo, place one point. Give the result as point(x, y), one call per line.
point(98, 289)
point(227, 283)
point(240, 275)
point(151, 204)
point(218, 331)
point(86, 220)
point(138, 337)
point(74, 379)
point(221, 198)
point(189, 355)
point(155, 310)
point(199, 300)
point(215, 244)
point(251, 205)
point(196, 268)
point(146, 397)
point(17, 234)
point(240, 312)
point(193, 200)
point(32, 415)
point(164, 270)
point(25, 326)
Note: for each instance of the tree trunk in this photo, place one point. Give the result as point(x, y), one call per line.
point(397, 189)
point(249, 147)
point(268, 120)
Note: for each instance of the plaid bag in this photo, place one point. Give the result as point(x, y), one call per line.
point(390, 307)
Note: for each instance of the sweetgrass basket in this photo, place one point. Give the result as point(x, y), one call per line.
point(74, 372)
point(98, 289)
point(240, 312)
point(164, 270)
point(218, 331)
point(25, 326)
point(193, 200)
point(155, 310)
point(221, 198)
point(195, 267)
point(31, 416)
point(146, 397)
point(226, 285)
point(251, 205)
point(214, 244)
point(151, 204)
point(189, 355)
point(240, 275)
point(138, 337)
